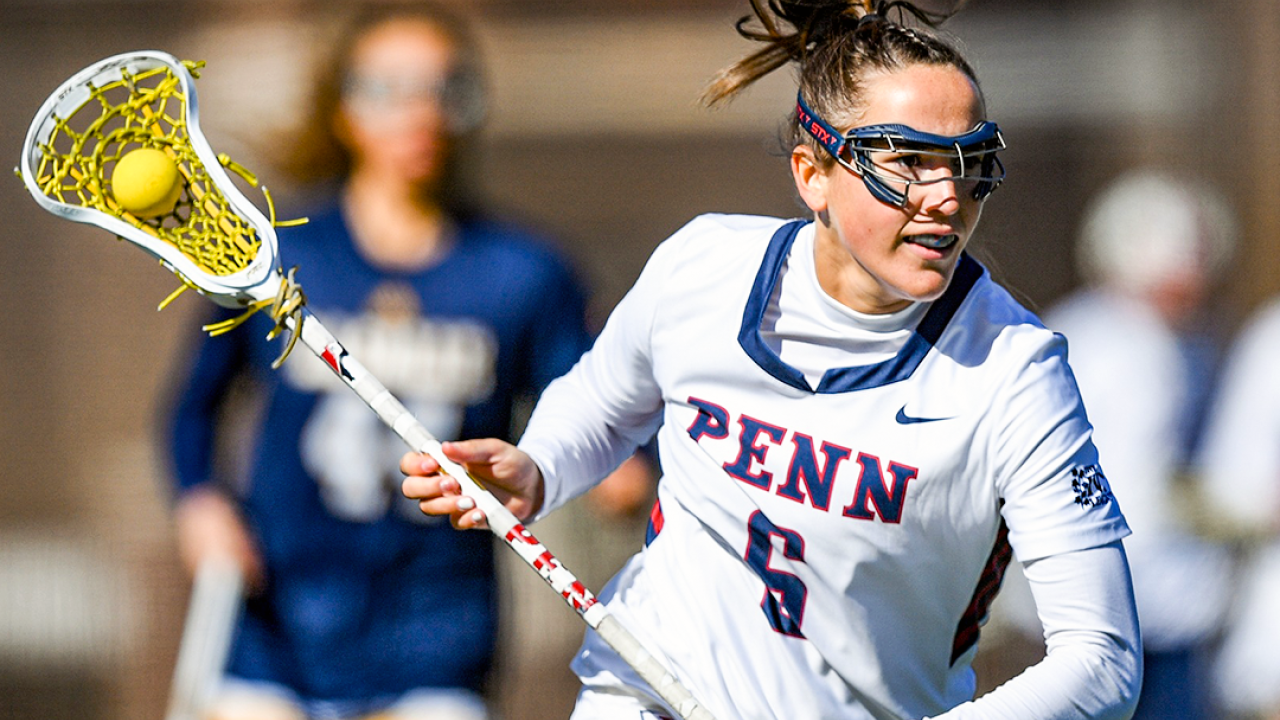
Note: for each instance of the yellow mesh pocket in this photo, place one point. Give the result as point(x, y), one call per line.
point(146, 109)
point(211, 237)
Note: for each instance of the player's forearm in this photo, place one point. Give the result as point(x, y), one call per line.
point(1093, 669)
point(1072, 684)
point(576, 441)
point(592, 419)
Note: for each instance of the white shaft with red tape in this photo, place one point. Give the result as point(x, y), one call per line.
point(501, 521)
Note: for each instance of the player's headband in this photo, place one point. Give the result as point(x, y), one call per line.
point(892, 158)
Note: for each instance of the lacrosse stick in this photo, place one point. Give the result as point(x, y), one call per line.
point(218, 243)
point(206, 638)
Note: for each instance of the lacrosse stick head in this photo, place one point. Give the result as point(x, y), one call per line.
point(213, 238)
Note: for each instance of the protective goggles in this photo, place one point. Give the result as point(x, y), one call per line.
point(892, 158)
point(458, 94)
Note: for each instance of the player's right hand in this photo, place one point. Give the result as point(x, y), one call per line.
point(502, 468)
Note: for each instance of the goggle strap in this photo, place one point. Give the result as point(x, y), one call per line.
point(820, 129)
point(835, 143)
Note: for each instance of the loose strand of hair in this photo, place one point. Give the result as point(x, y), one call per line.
point(733, 79)
point(780, 49)
point(765, 17)
point(904, 8)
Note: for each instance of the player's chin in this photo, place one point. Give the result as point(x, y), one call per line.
point(927, 282)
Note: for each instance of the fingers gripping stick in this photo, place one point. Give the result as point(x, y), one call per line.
point(501, 521)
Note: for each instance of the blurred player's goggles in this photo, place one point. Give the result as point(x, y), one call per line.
point(458, 94)
point(892, 158)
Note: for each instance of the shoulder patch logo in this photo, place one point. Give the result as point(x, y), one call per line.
point(1091, 486)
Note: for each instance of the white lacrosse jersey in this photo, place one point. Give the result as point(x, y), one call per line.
point(841, 492)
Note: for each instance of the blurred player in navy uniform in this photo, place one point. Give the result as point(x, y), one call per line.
point(1144, 353)
point(359, 603)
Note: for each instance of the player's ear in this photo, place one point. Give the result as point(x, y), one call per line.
point(811, 178)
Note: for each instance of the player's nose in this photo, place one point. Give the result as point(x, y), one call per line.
point(939, 197)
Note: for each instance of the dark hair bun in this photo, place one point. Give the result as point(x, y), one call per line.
point(816, 20)
point(797, 30)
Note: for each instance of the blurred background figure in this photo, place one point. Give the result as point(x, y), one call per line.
point(1142, 345)
point(358, 603)
point(1240, 463)
point(588, 97)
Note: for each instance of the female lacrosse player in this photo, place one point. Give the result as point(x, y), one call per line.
point(364, 604)
point(857, 426)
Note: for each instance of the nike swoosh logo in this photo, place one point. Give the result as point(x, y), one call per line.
point(904, 419)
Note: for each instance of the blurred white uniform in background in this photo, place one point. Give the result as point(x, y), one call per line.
point(1151, 247)
point(1241, 468)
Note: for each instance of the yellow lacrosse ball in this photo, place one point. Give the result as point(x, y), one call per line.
point(146, 182)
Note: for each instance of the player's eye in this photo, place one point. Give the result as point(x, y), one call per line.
point(905, 160)
point(908, 165)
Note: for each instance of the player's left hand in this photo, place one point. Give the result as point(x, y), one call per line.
point(504, 470)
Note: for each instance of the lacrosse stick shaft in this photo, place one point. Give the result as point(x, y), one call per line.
point(206, 638)
point(501, 521)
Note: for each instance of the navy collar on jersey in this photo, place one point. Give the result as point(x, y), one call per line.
point(846, 379)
